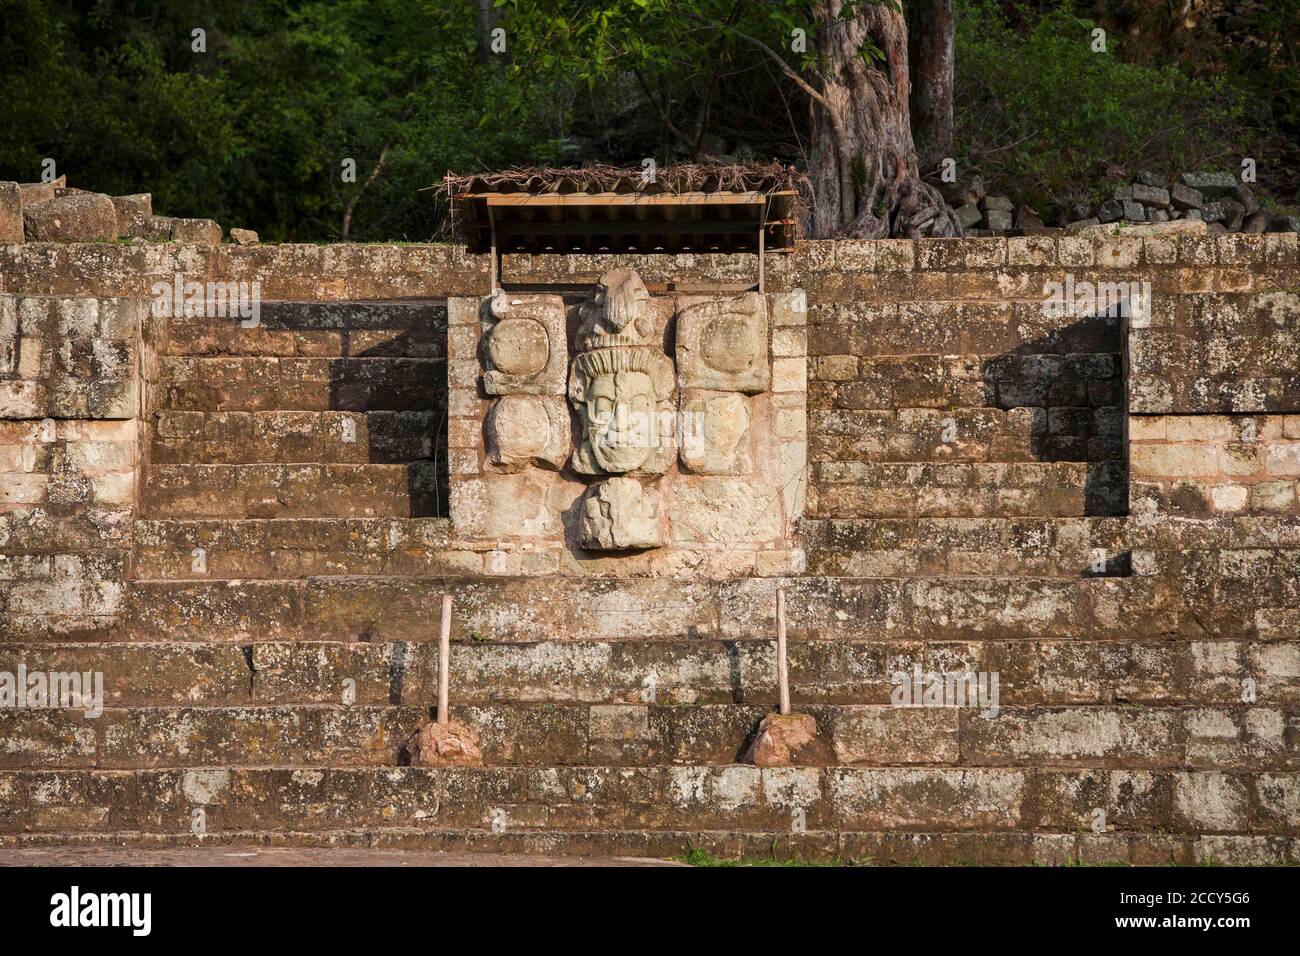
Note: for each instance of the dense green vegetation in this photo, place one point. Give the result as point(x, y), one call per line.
point(1044, 115)
point(254, 130)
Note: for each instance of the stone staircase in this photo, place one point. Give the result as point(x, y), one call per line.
point(277, 643)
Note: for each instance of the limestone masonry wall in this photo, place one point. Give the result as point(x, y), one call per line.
point(1068, 462)
point(69, 410)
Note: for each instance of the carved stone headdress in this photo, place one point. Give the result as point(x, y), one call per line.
point(616, 312)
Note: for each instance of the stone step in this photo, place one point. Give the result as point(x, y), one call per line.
point(856, 547)
point(275, 383)
point(1239, 737)
point(327, 437)
point(1066, 846)
point(1087, 380)
point(856, 489)
point(916, 435)
point(410, 329)
point(513, 609)
point(1257, 596)
point(292, 491)
point(1034, 547)
point(231, 800)
point(951, 328)
point(295, 547)
point(1055, 671)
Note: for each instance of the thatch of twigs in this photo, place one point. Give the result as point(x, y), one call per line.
point(673, 179)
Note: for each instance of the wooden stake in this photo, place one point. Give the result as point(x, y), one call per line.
point(444, 652)
point(782, 671)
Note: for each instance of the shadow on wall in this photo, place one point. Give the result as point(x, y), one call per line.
point(1071, 380)
point(388, 364)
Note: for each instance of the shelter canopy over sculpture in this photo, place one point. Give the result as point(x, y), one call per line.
point(603, 209)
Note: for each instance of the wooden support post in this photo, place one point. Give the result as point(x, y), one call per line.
point(494, 277)
point(782, 670)
point(444, 653)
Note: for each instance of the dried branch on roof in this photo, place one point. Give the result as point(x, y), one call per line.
point(674, 179)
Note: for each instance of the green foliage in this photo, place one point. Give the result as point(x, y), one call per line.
point(656, 77)
point(1041, 113)
point(253, 132)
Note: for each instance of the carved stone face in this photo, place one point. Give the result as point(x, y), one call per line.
point(621, 395)
point(619, 415)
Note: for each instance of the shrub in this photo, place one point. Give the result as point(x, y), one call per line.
point(1043, 115)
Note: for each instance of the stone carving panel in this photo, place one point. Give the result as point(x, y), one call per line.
point(713, 433)
point(621, 382)
point(629, 434)
point(525, 430)
point(525, 347)
point(620, 514)
point(722, 343)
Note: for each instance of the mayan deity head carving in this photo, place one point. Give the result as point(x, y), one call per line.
point(621, 382)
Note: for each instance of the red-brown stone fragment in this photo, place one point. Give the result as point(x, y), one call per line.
point(785, 740)
point(450, 745)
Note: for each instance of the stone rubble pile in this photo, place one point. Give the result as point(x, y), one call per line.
point(983, 213)
point(57, 212)
point(1219, 200)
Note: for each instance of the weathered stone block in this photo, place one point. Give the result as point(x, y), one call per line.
point(80, 217)
point(714, 433)
point(128, 208)
point(1211, 184)
point(527, 429)
point(620, 514)
point(722, 344)
point(203, 232)
point(11, 213)
point(724, 509)
point(525, 345)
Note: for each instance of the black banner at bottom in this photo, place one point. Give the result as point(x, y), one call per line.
point(241, 900)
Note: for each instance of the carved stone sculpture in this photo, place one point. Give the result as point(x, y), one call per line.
point(527, 430)
point(621, 382)
point(722, 343)
point(713, 434)
point(628, 422)
point(619, 514)
point(524, 345)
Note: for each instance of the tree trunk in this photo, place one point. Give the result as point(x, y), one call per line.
point(485, 21)
point(864, 170)
point(931, 30)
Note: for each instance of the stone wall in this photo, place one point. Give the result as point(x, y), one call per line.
point(1194, 369)
point(1092, 499)
point(69, 414)
point(1201, 465)
point(1218, 352)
